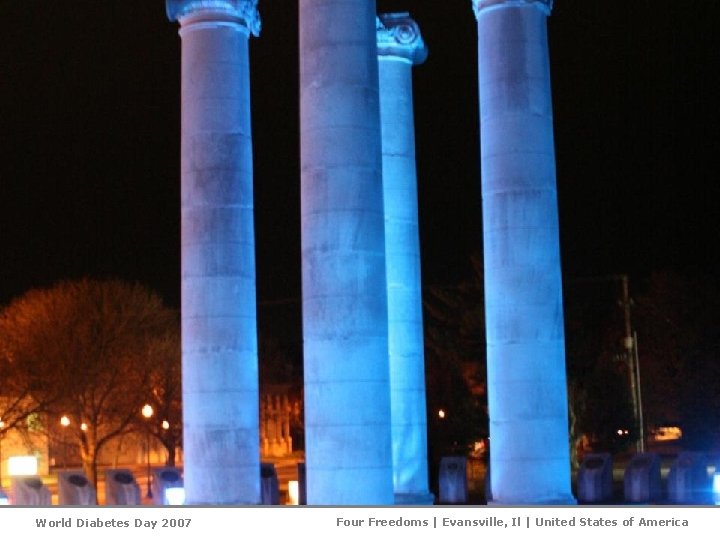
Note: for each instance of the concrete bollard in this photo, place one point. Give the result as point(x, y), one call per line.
point(74, 488)
point(121, 488)
point(642, 478)
point(595, 478)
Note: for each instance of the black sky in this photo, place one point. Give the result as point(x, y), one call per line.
point(89, 140)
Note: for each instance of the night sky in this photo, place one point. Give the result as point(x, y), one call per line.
point(89, 141)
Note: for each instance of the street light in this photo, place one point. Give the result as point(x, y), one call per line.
point(64, 422)
point(147, 412)
point(2, 426)
point(166, 426)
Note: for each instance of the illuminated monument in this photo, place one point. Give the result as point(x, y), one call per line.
point(219, 336)
point(400, 46)
point(347, 396)
point(364, 382)
point(530, 462)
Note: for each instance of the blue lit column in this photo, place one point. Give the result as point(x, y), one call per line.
point(530, 461)
point(219, 335)
point(400, 45)
point(347, 395)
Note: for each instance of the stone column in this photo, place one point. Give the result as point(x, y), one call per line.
point(529, 456)
point(219, 330)
point(347, 395)
point(400, 46)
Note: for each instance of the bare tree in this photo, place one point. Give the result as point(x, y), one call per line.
point(85, 349)
point(17, 403)
point(165, 395)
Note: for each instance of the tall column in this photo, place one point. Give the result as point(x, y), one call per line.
point(400, 46)
point(347, 395)
point(219, 330)
point(530, 461)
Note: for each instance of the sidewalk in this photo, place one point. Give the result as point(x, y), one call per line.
point(286, 469)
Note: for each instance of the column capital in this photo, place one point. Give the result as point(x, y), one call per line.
point(399, 35)
point(245, 10)
point(480, 5)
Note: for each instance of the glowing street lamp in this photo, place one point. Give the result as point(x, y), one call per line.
point(2, 426)
point(3, 497)
point(64, 422)
point(147, 412)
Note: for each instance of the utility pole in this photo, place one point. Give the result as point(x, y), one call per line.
point(630, 353)
point(633, 365)
point(641, 419)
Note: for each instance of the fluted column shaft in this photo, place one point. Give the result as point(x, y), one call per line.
point(400, 46)
point(347, 397)
point(527, 394)
point(219, 330)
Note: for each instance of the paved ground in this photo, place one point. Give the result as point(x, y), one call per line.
point(287, 468)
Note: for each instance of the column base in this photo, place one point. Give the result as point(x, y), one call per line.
point(414, 499)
